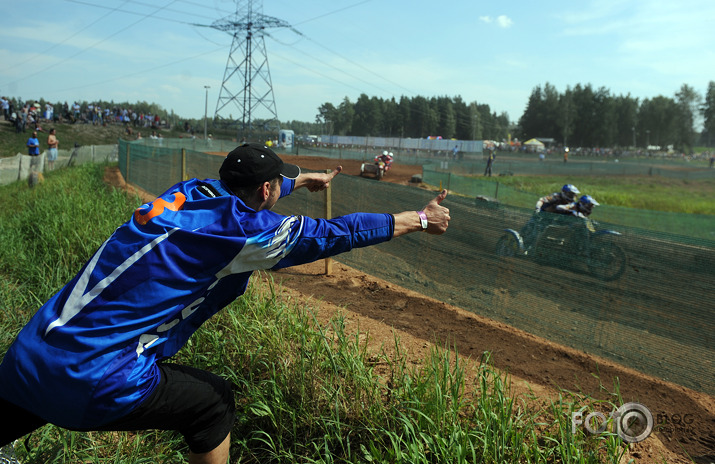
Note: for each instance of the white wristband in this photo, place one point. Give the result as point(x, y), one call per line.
point(423, 219)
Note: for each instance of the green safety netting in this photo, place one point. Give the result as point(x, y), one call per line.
point(643, 298)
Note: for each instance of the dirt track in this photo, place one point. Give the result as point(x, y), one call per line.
point(381, 308)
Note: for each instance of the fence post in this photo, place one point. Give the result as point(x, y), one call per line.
point(183, 164)
point(328, 215)
point(127, 169)
point(496, 192)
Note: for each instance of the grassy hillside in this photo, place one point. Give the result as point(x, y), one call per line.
point(12, 143)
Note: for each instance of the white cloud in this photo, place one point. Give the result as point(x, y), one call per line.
point(504, 21)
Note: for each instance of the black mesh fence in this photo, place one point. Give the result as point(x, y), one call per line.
point(638, 297)
point(692, 225)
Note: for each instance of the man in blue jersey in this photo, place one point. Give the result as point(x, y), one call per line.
point(94, 356)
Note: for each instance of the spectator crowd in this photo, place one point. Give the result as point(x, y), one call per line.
point(30, 114)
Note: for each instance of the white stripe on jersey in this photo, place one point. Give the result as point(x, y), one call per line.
point(78, 299)
point(262, 252)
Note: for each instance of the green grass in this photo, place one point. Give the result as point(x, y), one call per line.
point(681, 208)
point(307, 391)
point(648, 193)
point(12, 143)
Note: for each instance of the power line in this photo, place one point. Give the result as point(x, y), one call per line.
point(331, 66)
point(196, 30)
point(144, 71)
point(80, 2)
point(413, 110)
point(201, 5)
point(52, 47)
point(168, 10)
point(154, 15)
point(301, 34)
point(312, 70)
point(44, 70)
point(363, 67)
point(157, 14)
point(333, 12)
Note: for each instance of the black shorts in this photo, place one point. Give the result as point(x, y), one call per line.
point(198, 404)
point(195, 402)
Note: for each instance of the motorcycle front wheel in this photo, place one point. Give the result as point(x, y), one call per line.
point(607, 261)
point(507, 246)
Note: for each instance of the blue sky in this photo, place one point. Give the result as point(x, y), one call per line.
point(489, 52)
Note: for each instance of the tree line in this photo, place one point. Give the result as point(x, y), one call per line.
point(588, 117)
point(416, 117)
point(580, 116)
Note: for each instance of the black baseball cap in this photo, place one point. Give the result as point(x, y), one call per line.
point(254, 163)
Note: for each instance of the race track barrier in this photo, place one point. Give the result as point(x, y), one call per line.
point(657, 318)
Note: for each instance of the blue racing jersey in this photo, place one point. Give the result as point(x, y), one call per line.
point(88, 356)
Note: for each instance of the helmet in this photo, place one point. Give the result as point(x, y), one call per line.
point(570, 191)
point(588, 200)
point(391, 155)
point(384, 152)
point(586, 203)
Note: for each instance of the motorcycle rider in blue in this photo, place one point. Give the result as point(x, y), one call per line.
point(581, 209)
point(548, 204)
point(94, 357)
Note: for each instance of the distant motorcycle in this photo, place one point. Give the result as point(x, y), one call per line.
point(566, 241)
point(377, 168)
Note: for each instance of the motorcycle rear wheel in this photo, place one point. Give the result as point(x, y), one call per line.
point(607, 261)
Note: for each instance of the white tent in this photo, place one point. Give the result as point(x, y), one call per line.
point(533, 143)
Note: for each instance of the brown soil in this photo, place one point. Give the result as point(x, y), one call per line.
point(383, 311)
point(398, 173)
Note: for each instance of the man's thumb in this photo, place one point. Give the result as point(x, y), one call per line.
point(442, 195)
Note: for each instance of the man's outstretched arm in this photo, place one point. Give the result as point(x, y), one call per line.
point(405, 222)
point(323, 238)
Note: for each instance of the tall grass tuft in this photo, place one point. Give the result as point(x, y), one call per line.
point(307, 391)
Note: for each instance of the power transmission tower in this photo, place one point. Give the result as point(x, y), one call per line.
point(247, 70)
